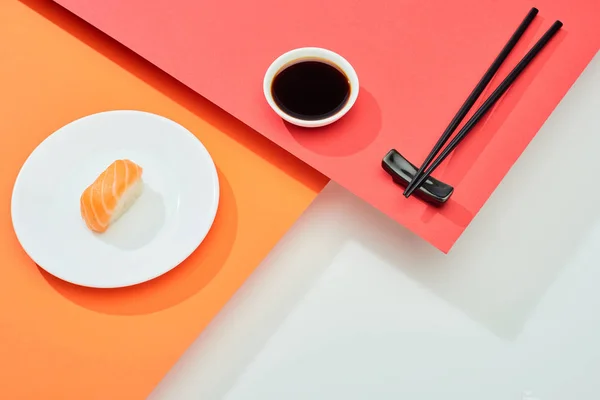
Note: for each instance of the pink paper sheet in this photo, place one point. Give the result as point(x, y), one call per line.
point(417, 61)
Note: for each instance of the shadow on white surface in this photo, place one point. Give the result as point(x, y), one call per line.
point(523, 236)
point(497, 275)
point(245, 314)
point(526, 232)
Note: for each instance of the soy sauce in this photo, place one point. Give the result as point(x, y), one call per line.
point(311, 90)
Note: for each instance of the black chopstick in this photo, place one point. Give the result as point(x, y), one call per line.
point(489, 103)
point(464, 109)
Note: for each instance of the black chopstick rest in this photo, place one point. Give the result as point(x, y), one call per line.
point(402, 172)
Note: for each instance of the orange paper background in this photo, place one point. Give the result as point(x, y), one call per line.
point(60, 341)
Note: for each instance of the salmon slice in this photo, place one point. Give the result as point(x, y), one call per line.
point(111, 194)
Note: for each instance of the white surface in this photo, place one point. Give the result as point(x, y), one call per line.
point(305, 54)
point(352, 306)
point(169, 220)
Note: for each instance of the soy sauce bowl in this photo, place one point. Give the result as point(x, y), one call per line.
point(315, 54)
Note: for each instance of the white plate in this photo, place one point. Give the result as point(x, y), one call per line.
point(162, 228)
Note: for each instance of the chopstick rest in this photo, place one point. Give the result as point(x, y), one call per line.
point(405, 173)
point(402, 172)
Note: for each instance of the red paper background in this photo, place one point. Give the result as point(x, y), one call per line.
point(416, 60)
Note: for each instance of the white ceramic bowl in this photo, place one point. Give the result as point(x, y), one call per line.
point(306, 54)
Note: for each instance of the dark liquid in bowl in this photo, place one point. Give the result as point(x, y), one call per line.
point(311, 90)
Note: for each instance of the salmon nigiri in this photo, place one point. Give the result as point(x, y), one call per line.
point(111, 194)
